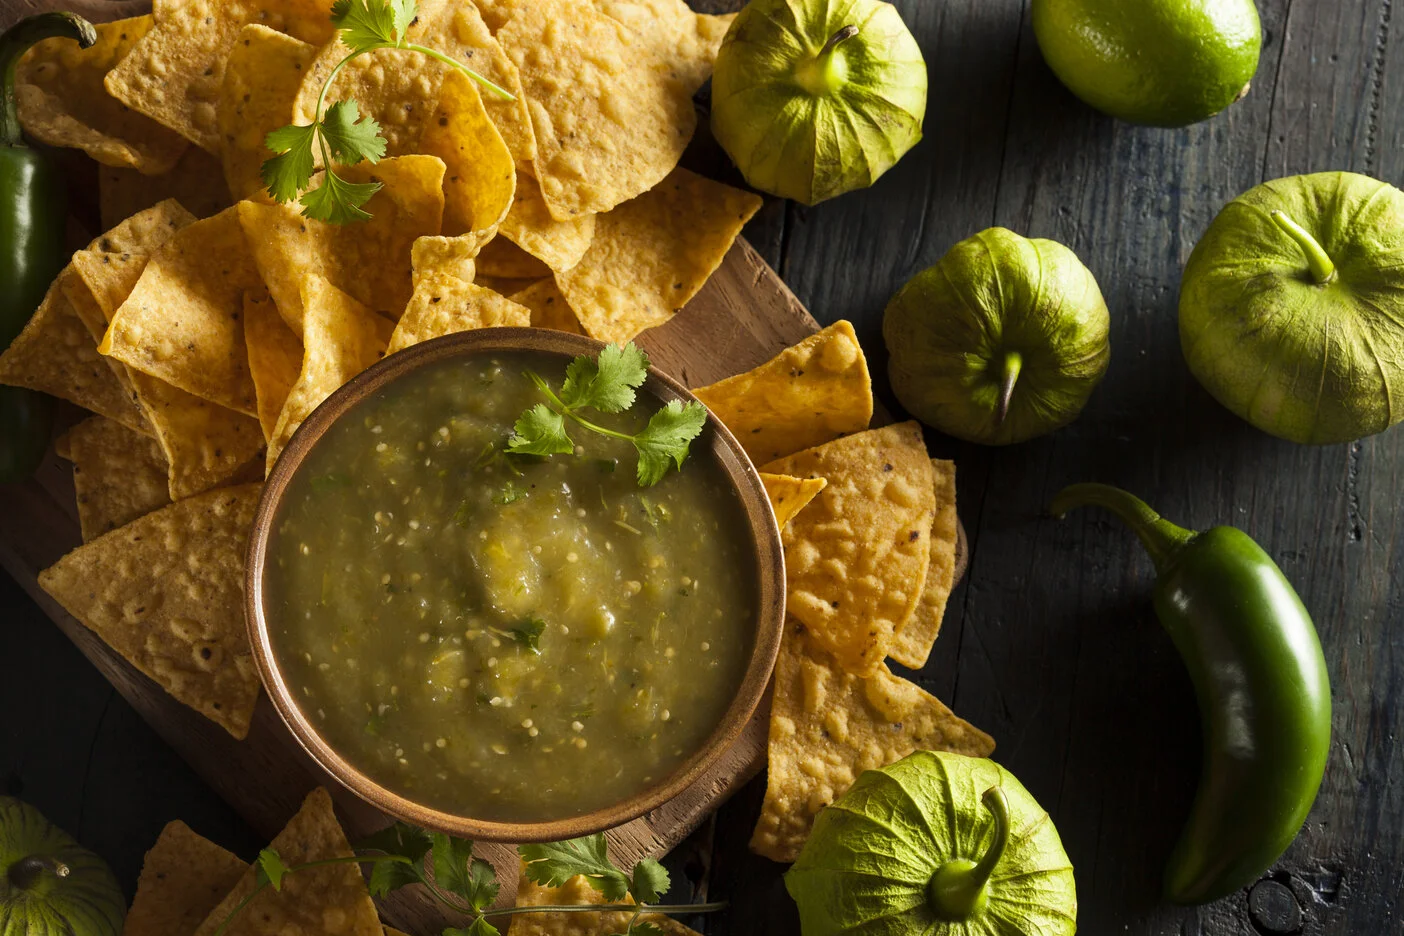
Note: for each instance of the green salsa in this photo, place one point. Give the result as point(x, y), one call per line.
point(514, 638)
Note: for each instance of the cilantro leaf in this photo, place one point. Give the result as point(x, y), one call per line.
point(482, 884)
point(540, 431)
point(607, 383)
point(509, 494)
point(650, 882)
point(366, 24)
point(554, 863)
point(528, 634)
point(402, 840)
point(453, 859)
point(350, 136)
point(479, 927)
point(337, 200)
point(666, 438)
point(271, 868)
point(290, 171)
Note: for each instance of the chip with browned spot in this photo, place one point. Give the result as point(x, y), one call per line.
point(549, 308)
point(182, 879)
point(789, 495)
point(262, 76)
point(118, 475)
point(442, 305)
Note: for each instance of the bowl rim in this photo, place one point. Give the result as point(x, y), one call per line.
point(766, 548)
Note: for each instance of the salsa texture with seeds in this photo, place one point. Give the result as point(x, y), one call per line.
point(508, 637)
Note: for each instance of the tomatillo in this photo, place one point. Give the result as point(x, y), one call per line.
point(49, 884)
point(1292, 307)
point(1002, 340)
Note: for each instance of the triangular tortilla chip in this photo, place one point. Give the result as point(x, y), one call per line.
point(856, 559)
point(369, 260)
point(118, 475)
point(61, 101)
point(549, 308)
point(143, 231)
point(651, 255)
point(195, 182)
point(262, 76)
point(789, 495)
point(479, 176)
point(917, 635)
point(688, 41)
point(827, 726)
point(183, 322)
point(340, 338)
point(55, 354)
point(438, 255)
point(529, 225)
point(501, 258)
point(578, 892)
point(442, 305)
point(806, 395)
point(275, 357)
point(167, 592)
point(182, 879)
point(396, 88)
point(308, 899)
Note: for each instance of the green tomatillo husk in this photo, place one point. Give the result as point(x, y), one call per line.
point(49, 884)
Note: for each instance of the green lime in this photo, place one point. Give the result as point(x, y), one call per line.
point(1167, 63)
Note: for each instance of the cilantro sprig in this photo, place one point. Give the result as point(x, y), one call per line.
point(607, 384)
point(403, 855)
point(341, 135)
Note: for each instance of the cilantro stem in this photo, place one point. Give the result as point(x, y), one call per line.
point(501, 92)
point(710, 907)
point(570, 413)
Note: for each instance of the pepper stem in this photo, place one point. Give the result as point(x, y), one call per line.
point(960, 888)
point(1322, 269)
point(16, 41)
point(1161, 538)
point(1009, 375)
point(822, 75)
point(26, 873)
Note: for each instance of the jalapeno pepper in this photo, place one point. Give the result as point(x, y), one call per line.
point(32, 220)
point(1260, 679)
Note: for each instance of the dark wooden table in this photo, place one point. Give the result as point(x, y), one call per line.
point(1049, 644)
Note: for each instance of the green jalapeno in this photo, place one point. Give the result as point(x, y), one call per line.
point(32, 220)
point(1260, 679)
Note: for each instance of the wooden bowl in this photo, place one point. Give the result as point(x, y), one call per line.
point(716, 442)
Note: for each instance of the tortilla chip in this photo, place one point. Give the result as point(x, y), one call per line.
point(917, 635)
point(182, 879)
point(856, 560)
point(805, 396)
point(827, 726)
point(688, 41)
point(451, 256)
point(443, 305)
point(55, 354)
point(174, 73)
point(118, 475)
point(651, 255)
point(611, 117)
point(480, 176)
point(61, 101)
point(261, 82)
point(549, 308)
point(396, 88)
point(505, 285)
point(578, 892)
point(167, 592)
point(328, 899)
point(369, 260)
point(195, 182)
point(143, 231)
point(558, 244)
point(341, 337)
point(502, 258)
point(275, 358)
point(183, 322)
point(789, 495)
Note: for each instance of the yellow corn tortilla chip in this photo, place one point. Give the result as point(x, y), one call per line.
point(275, 358)
point(340, 338)
point(611, 117)
point(262, 76)
point(479, 174)
point(451, 256)
point(502, 258)
point(55, 354)
point(442, 305)
point(395, 87)
point(118, 475)
point(805, 396)
point(549, 308)
point(143, 231)
point(183, 322)
point(166, 591)
point(327, 899)
point(578, 892)
point(61, 101)
point(529, 225)
point(173, 74)
point(688, 41)
point(369, 260)
point(856, 559)
point(651, 255)
point(827, 726)
point(195, 182)
point(182, 879)
point(789, 495)
point(917, 635)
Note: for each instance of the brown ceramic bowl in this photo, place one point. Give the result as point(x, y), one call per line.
point(716, 442)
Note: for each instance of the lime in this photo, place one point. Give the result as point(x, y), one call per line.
point(1167, 63)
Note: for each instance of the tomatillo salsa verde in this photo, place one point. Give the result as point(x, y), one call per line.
point(509, 637)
